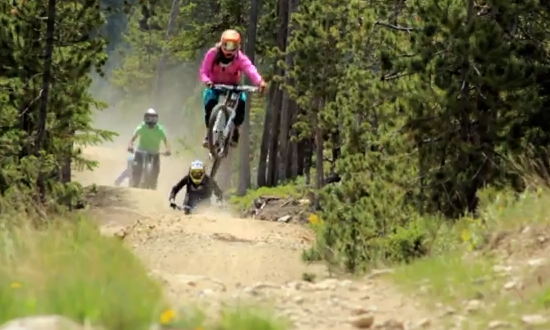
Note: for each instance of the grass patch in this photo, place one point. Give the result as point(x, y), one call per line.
point(230, 318)
point(450, 277)
point(492, 241)
point(69, 269)
point(250, 319)
point(243, 203)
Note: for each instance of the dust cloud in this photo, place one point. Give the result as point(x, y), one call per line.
point(180, 114)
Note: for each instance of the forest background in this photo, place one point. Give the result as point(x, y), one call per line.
point(401, 115)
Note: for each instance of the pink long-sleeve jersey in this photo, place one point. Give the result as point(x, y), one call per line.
point(228, 74)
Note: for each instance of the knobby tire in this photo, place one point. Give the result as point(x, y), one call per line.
point(211, 122)
point(215, 167)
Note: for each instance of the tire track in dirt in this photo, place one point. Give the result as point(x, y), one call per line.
point(215, 258)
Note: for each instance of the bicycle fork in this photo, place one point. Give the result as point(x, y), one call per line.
point(217, 130)
point(228, 128)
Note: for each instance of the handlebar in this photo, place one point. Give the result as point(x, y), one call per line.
point(177, 207)
point(236, 88)
point(133, 150)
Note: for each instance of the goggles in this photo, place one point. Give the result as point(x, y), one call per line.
point(196, 174)
point(151, 118)
point(230, 46)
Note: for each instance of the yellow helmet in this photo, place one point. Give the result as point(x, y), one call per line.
point(197, 172)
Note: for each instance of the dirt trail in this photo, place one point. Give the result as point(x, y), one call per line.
point(214, 258)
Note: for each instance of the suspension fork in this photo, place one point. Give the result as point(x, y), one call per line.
point(229, 127)
point(230, 124)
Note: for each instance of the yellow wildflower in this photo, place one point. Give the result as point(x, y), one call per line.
point(16, 285)
point(314, 219)
point(466, 235)
point(167, 317)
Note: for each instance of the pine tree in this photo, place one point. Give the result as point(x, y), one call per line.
point(76, 50)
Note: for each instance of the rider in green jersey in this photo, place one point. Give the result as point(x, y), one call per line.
point(150, 134)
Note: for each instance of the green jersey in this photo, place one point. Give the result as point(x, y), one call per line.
point(150, 138)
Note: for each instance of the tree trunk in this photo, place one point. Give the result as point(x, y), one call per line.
point(284, 129)
point(244, 168)
point(65, 171)
point(300, 157)
point(287, 106)
point(157, 97)
point(261, 179)
point(336, 150)
point(46, 78)
point(272, 171)
point(308, 159)
point(293, 156)
point(319, 143)
point(44, 96)
point(291, 168)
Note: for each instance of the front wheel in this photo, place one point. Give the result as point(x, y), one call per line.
point(135, 181)
point(148, 176)
point(216, 125)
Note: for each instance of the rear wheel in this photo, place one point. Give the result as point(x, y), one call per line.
point(216, 125)
point(215, 167)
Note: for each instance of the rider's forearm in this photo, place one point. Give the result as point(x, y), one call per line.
point(132, 140)
point(175, 190)
point(179, 186)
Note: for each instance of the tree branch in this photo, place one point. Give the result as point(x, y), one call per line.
point(395, 27)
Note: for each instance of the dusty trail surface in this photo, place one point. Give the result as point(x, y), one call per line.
point(215, 258)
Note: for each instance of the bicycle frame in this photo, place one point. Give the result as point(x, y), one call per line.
point(230, 102)
point(218, 145)
point(232, 95)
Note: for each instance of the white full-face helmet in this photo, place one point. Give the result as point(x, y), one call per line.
point(197, 172)
point(151, 117)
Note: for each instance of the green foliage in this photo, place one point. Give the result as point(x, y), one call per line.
point(503, 218)
point(42, 272)
point(76, 51)
point(427, 97)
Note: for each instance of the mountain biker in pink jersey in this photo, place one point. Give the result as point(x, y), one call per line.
point(223, 64)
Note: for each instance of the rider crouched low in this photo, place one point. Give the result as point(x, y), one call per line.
point(199, 186)
point(223, 64)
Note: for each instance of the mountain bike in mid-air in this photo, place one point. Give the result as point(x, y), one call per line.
point(220, 125)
